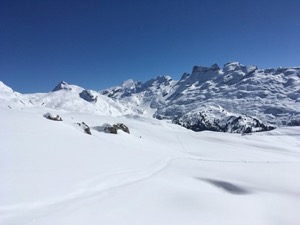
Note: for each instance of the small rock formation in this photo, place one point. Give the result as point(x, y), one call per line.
point(110, 129)
point(52, 117)
point(89, 96)
point(85, 127)
point(113, 129)
point(121, 126)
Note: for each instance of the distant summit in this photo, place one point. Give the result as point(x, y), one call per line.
point(62, 86)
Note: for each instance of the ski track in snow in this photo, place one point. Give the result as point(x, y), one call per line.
point(100, 184)
point(91, 188)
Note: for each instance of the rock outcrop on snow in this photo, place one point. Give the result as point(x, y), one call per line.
point(85, 127)
point(216, 119)
point(113, 129)
point(89, 96)
point(110, 129)
point(122, 126)
point(53, 117)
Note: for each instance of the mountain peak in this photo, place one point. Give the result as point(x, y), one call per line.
point(129, 84)
point(62, 85)
point(230, 66)
point(159, 80)
point(204, 69)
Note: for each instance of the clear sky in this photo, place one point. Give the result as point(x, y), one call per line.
point(100, 43)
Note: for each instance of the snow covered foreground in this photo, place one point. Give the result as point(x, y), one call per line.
point(52, 173)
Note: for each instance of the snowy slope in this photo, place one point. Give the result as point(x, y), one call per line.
point(64, 97)
point(51, 172)
point(271, 96)
point(10, 98)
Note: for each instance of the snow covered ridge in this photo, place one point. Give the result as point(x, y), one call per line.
point(270, 96)
point(65, 97)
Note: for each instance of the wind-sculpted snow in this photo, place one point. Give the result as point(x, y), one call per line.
point(270, 96)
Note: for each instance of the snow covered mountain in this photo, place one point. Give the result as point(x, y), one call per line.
point(235, 98)
point(65, 97)
point(265, 97)
point(143, 98)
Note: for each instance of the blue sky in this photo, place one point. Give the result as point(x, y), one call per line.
point(98, 44)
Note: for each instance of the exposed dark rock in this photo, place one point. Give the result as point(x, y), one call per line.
point(88, 96)
point(113, 129)
point(85, 127)
point(52, 117)
point(198, 123)
point(110, 129)
point(121, 126)
point(201, 121)
point(238, 125)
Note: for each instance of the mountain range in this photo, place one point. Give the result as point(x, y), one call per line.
point(235, 98)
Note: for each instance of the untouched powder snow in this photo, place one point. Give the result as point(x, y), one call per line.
point(51, 172)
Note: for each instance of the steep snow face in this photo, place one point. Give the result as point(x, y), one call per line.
point(271, 96)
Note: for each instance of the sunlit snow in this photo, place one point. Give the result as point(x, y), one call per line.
point(52, 173)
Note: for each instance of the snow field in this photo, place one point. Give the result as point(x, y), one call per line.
point(51, 172)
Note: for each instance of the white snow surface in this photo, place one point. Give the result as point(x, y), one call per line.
point(52, 173)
